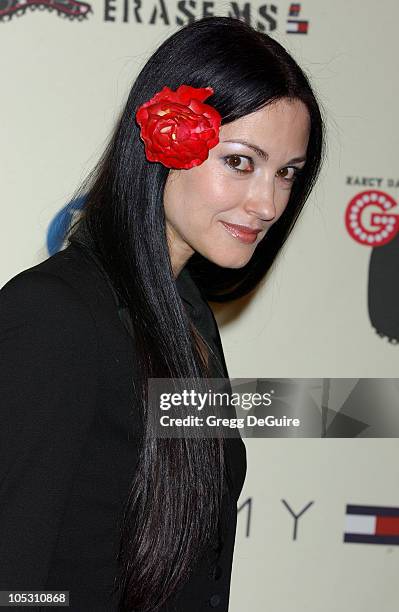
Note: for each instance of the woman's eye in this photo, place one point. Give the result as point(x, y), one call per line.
point(235, 163)
point(287, 175)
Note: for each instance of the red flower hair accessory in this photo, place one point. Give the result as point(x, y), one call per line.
point(177, 128)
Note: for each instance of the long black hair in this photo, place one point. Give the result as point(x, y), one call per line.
point(174, 504)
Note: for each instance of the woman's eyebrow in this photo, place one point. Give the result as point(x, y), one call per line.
point(257, 150)
point(263, 153)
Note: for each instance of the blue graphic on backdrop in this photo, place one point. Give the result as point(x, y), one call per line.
point(60, 224)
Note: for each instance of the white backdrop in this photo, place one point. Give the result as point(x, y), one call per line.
point(64, 82)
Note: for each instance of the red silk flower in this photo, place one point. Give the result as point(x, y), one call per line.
point(177, 128)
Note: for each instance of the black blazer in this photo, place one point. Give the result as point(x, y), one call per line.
point(67, 453)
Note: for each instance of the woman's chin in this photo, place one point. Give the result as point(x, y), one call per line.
point(229, 262)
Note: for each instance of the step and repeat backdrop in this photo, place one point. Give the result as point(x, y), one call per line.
point(318, 525)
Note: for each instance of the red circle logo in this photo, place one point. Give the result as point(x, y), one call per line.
point(371, 227)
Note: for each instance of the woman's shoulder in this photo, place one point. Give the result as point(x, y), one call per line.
point(68, 284)
point(42, 314)
point(59, 328)
point(62, 310)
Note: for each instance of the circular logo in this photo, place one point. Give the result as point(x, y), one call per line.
point(367, 221)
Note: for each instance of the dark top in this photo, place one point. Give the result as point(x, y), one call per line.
point(67, 456)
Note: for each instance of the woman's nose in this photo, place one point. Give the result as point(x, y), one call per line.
point(261, 203)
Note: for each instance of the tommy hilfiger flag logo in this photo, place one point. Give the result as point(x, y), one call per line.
point(371, 524)
point(295, 25)
point(294, 9)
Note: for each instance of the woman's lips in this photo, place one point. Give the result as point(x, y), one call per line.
point(242, 233)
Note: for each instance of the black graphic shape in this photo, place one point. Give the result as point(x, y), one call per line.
point(383, 290)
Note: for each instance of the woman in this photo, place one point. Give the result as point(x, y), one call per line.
point(159, 235)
